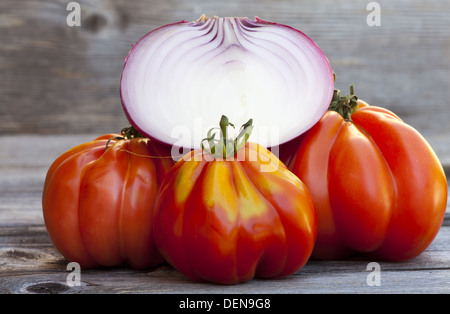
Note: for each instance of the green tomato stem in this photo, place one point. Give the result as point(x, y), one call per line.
point(127, 133)
point(225, 147)
point(344, 105)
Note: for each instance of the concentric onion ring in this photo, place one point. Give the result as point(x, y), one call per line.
point(179, 79)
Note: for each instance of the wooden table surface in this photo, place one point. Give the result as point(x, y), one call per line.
point(30, 264)
point(59, 87)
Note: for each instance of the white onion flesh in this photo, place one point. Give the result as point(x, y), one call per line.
point(179, 80)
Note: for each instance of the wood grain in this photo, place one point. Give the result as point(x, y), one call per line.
point(29, 263)
point(60, 79)
point(59, 87)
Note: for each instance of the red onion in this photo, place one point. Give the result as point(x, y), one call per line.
point(179, 79)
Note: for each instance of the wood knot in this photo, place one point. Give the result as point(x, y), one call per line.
point(95, 22)
point(46, 288)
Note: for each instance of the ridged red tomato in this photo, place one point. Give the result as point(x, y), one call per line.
point(98, 203)
point(378, 186)
point(226, 221)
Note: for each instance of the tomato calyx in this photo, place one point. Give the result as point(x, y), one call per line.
point(225, 147)
point(344, 105)
point(127, 133)
point(130, 132)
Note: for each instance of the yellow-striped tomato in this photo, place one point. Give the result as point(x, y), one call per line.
point(226, 221)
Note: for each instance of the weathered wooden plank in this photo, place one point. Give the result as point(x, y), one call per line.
point(433, 281)
point(56, 78)
point(34, 266)
point(30, 264)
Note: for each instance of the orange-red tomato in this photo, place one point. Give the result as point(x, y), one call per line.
point(226, 221)
point(98, 204)
point(378, 187)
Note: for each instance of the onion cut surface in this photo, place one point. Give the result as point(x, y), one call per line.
point(179, 79)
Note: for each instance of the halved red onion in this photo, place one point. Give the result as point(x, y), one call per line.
point(183, 77)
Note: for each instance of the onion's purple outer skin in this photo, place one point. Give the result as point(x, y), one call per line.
point(285, 148)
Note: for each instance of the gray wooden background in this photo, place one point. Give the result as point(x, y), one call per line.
point(60, 79)
point(59, 87)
